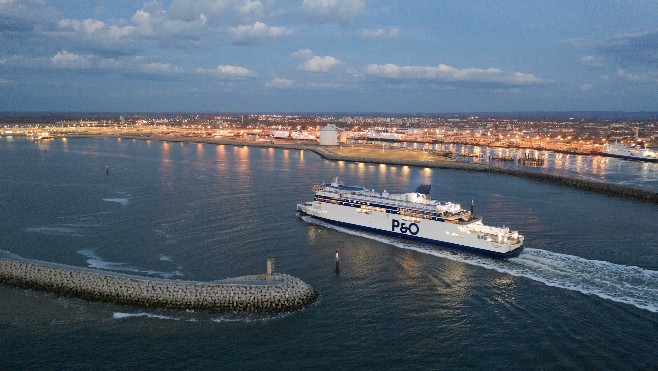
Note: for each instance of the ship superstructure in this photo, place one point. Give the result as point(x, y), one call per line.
point(410, 215)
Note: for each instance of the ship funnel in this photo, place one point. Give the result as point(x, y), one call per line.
point(424, 189)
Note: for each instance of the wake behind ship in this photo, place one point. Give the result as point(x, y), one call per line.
point(412, 216)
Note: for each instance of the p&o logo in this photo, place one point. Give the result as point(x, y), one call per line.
point(411, 229)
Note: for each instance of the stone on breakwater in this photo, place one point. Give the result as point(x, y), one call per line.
point(252, 294)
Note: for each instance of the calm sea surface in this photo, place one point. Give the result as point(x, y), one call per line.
point(584, 293)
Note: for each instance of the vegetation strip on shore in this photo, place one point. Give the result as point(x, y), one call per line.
point(248, 294)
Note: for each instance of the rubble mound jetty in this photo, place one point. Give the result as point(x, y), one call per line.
point(261, 294)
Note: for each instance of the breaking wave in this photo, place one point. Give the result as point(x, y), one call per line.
point(95, 261)
point(121, 201)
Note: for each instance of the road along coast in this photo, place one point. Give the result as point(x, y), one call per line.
point(259, 294)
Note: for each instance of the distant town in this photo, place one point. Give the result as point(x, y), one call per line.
point(583, 135)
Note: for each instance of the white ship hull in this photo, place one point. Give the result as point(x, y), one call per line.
point(630, 153)
point(294, 135)
point(468, 236)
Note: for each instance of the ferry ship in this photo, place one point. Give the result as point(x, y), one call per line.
point(294, 135)
point(412, 216)
point(384, 136)
point(634, 152)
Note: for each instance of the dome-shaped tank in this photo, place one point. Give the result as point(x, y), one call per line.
point(329, 136)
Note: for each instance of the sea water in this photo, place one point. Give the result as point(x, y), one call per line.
point(583, 294)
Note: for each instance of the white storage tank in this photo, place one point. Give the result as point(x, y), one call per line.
point(329, 136)
point(342, 137)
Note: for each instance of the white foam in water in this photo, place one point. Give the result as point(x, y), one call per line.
point(621, 283)
point(220, 319)
point(251, 317)
point(58, 231)
point(122, 315)
point(122, 201)
point(95, 261)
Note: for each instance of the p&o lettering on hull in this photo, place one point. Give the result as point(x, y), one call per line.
point(402, 227)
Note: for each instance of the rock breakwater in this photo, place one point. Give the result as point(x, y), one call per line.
point(248, 294)
point(584, 184)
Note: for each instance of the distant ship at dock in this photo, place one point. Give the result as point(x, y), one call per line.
point(633, 152)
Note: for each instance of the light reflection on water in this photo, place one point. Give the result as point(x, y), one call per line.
point(638, 174)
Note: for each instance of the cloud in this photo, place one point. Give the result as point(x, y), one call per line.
point(326, 86)
point(24, 16)
point(320, 64)
point(87, 26)
point(328, 11)
point(153, 21)
point(229, 72)
point(144, 21)
point(93, 34)
point(258, 32)
point(280, 83)
point(160, 68)
point(314, 63)
point(380, 33)
point(446, 73)
point(650, 77)
point(639, 47)
point(133, 65)
point(191, 10)
point(250, 8)
point(628, 48)
point(214, 10)
point(591, 61)
point(130, 65)
point(302, 53)
point(234, 71)
point(586, 87)
point(68, 60)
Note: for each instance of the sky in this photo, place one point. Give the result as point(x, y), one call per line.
point(307, 56)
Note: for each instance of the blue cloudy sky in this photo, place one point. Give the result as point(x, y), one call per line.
point(402, 56)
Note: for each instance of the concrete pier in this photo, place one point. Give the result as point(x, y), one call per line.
point(247, 294)
point(584, 184)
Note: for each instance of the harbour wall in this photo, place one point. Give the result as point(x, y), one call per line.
point(584, 184)
point(248, 294)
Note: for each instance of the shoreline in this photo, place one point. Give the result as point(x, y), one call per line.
point(327, 154)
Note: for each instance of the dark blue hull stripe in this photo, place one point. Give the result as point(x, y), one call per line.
point(511, 254)
point(633, 158)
